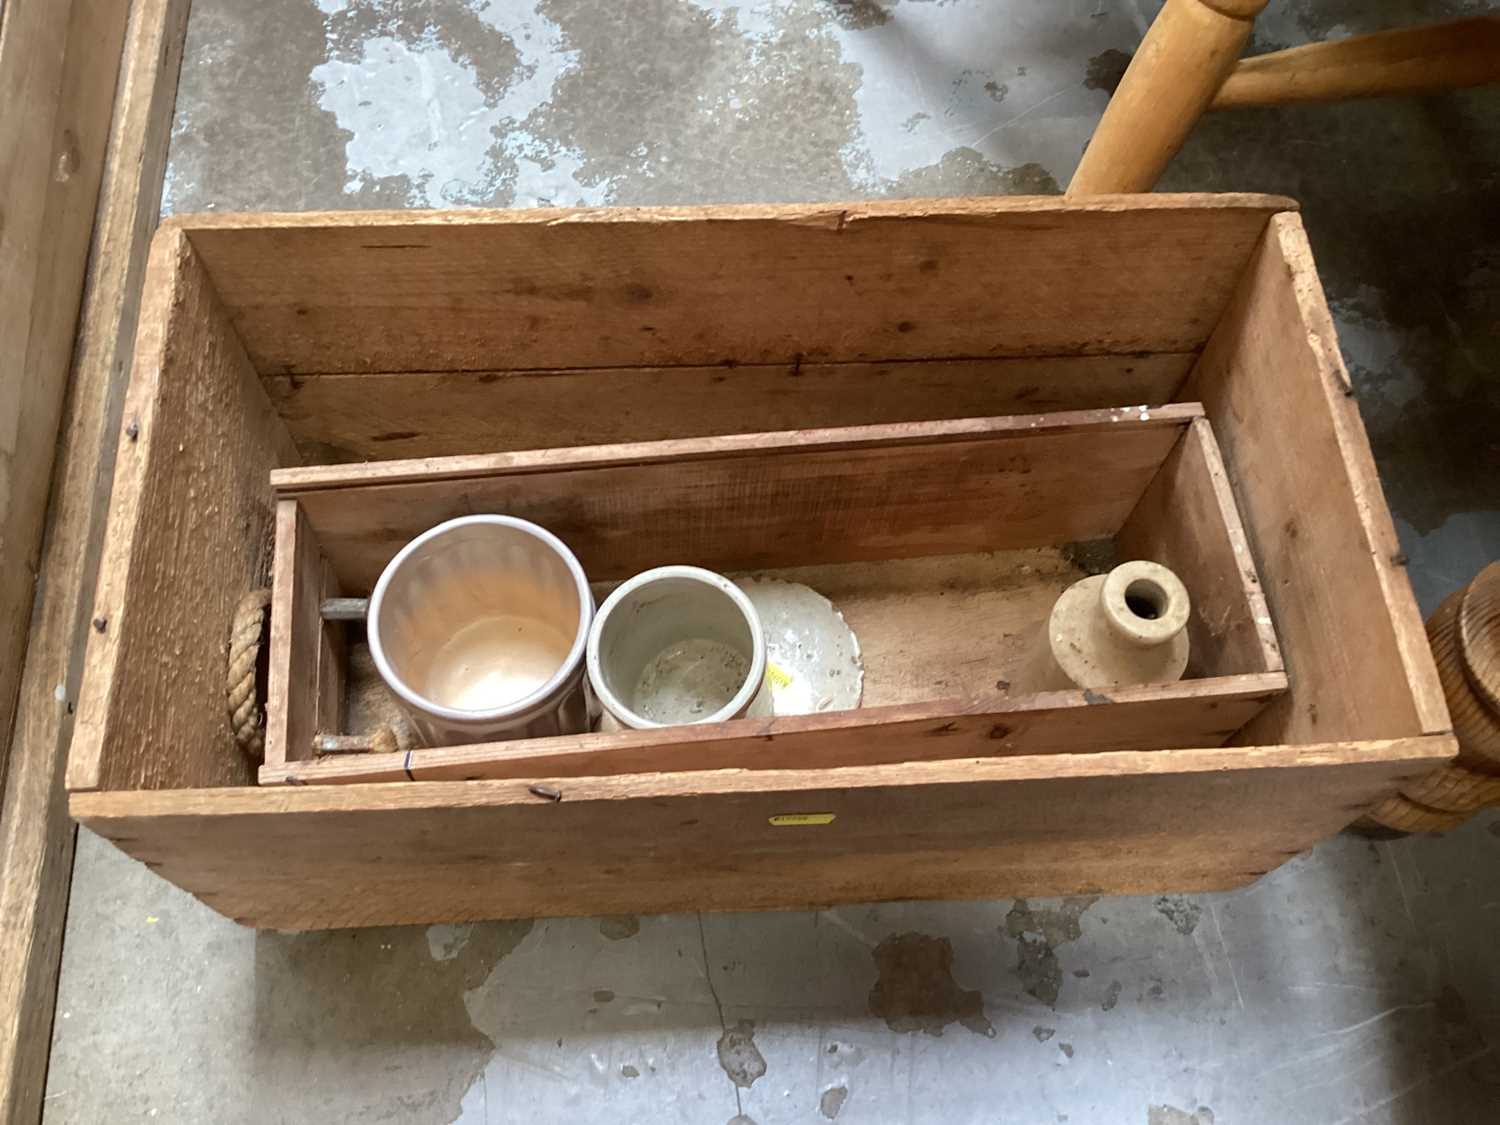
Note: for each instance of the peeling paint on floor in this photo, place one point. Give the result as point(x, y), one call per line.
point(1038, 931)
point(739, 1058)
point(1183, 913)
point(562, 102)
point(1171, 1115)
point(305, 1013)
point(620, 926)
point(831, 1103)
point(915, 989)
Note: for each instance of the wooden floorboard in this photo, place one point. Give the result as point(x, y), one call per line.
point(36, 834)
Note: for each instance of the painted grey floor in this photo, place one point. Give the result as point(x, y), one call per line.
point(1359, 983)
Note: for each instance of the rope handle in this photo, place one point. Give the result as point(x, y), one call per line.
point(244, 693)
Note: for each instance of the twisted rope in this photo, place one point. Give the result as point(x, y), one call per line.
point(246, 635)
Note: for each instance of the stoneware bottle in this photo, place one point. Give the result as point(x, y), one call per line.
point(1111, 630)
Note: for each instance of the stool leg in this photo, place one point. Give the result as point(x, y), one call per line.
point(1190, 47)
point(1415, 60)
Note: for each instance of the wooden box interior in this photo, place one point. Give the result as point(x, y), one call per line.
point(946, 540)
point(269, 342)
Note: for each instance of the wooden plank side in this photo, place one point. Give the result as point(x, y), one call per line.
point(764, 500)
point(1275, 387)
point(1121, 823)
point(189, 533)
point(611, 287)
point(299, 694)
point(1187, 520)
point(59, 63)
point(36, 833)
point(1194, 714)
point(436, 414)
point(333, 659)
point(299, 480)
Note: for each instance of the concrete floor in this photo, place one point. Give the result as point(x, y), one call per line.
point(1359, 983)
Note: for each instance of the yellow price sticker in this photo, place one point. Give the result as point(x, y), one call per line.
point(802, 818)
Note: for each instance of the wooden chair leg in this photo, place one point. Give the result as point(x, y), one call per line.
point(1191, 46)
point(1418, 60)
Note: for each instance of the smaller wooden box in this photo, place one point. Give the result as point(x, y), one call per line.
point(980, 513)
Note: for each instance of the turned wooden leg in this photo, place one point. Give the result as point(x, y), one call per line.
point(1190, 47)
point(1418, 60)
point(1465, 636)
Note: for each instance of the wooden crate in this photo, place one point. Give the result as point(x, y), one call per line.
point(269, 342)
point(957, 502)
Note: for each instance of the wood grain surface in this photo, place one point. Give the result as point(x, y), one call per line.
point(190, 531)
point(1331, 568)
point(1403, 61)
point(36, 833)
point(1122, 823)
point(1189, 48)
point(435, 414)
point(1194, 713)
point(305, 695)
point(1187, 520)
point(764, 500)
point(58, 66)
point(321, 293)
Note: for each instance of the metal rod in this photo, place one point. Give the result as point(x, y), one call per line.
point(344, 609)
point(343, 743)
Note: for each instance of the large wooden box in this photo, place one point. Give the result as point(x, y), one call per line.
point(276, 341)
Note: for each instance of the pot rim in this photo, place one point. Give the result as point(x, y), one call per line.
point(536, 700)
point(754, 677)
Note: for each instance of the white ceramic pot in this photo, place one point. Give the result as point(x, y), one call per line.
point(677, 645)
point(479, 626)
